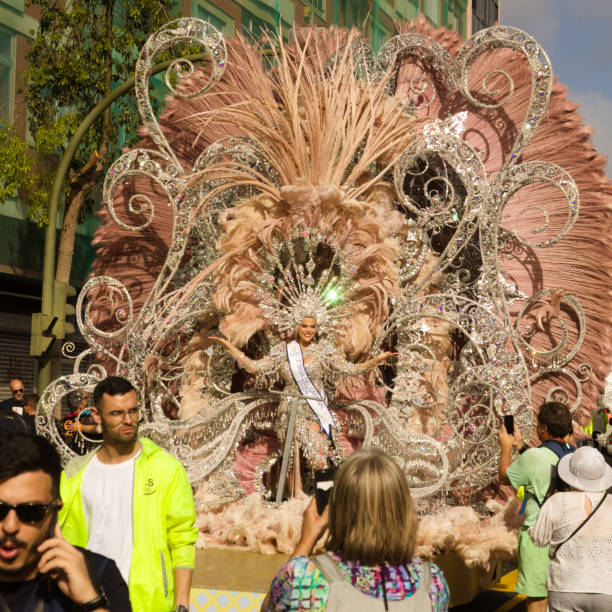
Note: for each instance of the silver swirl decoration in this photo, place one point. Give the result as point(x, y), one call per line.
point(47, 425)
point(506, 37)
point(560, 353)
point(417, 47)
point(179, 31)
point(532, 173)
point(137, 164)
point(454, 298)
point(116, 299)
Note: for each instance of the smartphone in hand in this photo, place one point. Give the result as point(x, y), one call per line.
point(324, 482)
point(509, 423)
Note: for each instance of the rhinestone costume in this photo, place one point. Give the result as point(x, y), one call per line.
point(406, 184)
point(320, 361)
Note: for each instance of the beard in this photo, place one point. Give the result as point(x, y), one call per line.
point(25, 562)
point(118, 437)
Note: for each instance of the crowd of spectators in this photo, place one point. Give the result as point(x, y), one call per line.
point(75, 539)
point(116, 531)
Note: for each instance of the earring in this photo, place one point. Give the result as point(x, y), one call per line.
point(99, 428)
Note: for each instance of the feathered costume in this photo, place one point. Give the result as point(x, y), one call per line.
point(409, 185)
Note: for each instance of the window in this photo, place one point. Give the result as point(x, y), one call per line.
point(214, 21)
point(218, 19)
point(254, 25)
point(406, 9)
point(433, 11)
point(456, 16)
point(317, 5)
point(6, 74)
point(353, 14)
point(484, 14)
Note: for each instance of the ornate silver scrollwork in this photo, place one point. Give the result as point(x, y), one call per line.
point(464, 361)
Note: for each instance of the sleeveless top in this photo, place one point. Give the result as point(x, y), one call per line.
point(345, 597)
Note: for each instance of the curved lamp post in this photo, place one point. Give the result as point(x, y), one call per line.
point(43, 323)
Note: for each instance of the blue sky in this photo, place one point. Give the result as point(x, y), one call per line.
point(577, 36)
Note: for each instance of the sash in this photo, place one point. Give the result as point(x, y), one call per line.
point(308, 388)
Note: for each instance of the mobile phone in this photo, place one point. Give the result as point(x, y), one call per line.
point(324, 483)
point(509, 423)
point(52, 524)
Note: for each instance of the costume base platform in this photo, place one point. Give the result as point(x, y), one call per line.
point(230, 580)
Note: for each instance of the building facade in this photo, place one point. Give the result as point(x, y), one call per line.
point(374, 17)
point(21, 241)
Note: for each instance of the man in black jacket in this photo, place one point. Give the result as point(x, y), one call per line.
point(39, 570)
point(15, 403)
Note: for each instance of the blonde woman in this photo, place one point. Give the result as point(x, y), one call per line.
point(369, 564)
point(302, 364)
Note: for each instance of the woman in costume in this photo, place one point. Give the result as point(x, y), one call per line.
point(303, 364)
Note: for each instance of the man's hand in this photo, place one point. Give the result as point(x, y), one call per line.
point(518, 438)
point(66, 565)
point(313, 526)
point(506, 440)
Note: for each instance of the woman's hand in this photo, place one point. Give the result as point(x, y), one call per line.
point(313, 526)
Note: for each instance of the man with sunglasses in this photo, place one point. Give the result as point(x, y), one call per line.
point(132, 501)
point(39, 570)
point(15, 403)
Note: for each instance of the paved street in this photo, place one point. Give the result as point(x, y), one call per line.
point(500, 597)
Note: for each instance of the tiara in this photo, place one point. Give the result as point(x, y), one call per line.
point(307, 275)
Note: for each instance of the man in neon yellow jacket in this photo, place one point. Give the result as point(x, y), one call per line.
point(132, 500)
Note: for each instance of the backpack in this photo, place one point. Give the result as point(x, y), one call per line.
point(343, 596)
point(556, 484)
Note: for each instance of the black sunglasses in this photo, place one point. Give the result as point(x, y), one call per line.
point(31, 513)
point(14, 391)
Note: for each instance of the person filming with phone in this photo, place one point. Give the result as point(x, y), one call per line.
point(39, 570)
point(369, 563)
point(532, 469)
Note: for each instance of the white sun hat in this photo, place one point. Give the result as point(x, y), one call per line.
point(586, 470)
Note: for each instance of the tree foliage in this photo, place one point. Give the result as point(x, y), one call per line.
point(17, 170)
point(81, 51)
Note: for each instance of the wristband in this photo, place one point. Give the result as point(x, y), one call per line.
point(101, 601)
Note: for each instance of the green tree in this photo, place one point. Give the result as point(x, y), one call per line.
point(17, 170)
point(81, 51)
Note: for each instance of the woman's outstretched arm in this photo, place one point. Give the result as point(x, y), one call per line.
point(265, 365)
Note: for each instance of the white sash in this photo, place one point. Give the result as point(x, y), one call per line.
point(308, 388)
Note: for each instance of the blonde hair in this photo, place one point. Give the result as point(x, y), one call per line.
point(371, 514)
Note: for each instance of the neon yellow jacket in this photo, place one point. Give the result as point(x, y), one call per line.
point(163, 522)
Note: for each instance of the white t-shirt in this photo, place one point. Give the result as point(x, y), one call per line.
point(583, 564)
point(107, 491)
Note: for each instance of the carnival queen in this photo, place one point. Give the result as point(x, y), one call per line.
point(303, 363)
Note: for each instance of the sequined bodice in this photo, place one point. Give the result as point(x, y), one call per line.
point(314, 364)
point(321, 361)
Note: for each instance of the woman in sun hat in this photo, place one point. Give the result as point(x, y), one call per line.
point(578, 527)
